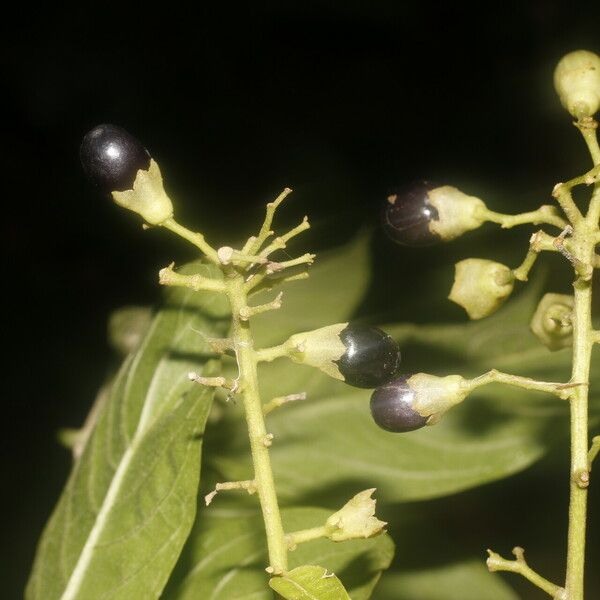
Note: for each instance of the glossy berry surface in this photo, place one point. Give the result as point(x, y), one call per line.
point(407, 214)
point(111, 158)
point(372, 357)
point(392, 407)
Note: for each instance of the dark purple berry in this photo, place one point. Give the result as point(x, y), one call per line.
point(407, 214)
point(372, 357)
point(392, 407)
point(111, 158)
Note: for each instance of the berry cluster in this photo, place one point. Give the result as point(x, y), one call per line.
point(362, 356)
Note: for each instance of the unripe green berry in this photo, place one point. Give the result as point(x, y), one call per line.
point(552, 321)
point(577, 82)
point(481, 286)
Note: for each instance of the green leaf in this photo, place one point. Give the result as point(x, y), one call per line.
point(309, 583)
point(225, 556)
point(130, 501)
point(469, 580)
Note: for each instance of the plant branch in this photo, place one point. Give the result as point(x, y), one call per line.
point(281, 242)
point(249, 486)
point(274, 352)
point(281, 400)
point(197, 282)
point(305, 259)
point(496, 563)
point(219, 382)
point(261, 281)
point(265, 230)
point(582, 268)
point(545, 214)
point(197, 239)
point(246, 312)
point(228, 255)
point(583, 247)
point(562, 390)
point(306, 535)
point(539, 241)
point(259, 438)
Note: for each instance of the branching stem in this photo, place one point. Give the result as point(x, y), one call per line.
point(197, 282)
point(562, 390)
point(197, 239)
point(281, 400)
point(496, 563)
point(545, 214)
point(539, 241)
point(248, 378)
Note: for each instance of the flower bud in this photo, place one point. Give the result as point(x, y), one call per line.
point(423, 213)
point(481, 286)
point(577, 82)
point(355, 520)
point(409, 403)
point(116, 162)
point(360, 355)
point(552, 321)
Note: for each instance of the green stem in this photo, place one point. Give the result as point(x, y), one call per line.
point(197, 239)
point(585, 234)
point(562, 390)
point(496, 563)
point(539, 242)
point(306, 535)
point(545, 214)
point(588, 130)
point(248, 382)
point(582, 349)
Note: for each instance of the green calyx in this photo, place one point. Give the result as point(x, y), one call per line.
point(147, 197)
point(457, 212)
point(320, 348)
point(433, 395)
point(481, 286)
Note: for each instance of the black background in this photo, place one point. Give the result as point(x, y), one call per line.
point(337, 100)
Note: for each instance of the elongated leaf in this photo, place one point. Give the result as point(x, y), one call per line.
point(130, 501)
point(309, 583)
point(468, 580)
point(225, 557)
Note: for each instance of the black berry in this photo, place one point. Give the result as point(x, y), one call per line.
point(392, 407)
point(111, 158)
point(407, 214)
point(372, 357)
